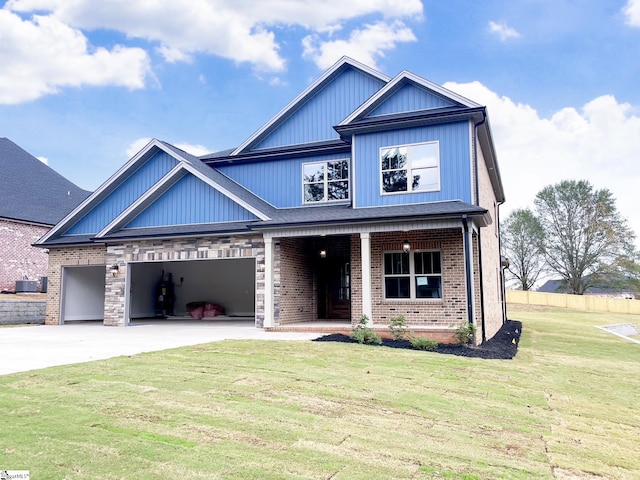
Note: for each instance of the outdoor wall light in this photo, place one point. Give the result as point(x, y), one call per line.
point(323, 253)
point(406, 246)
point(114, 269)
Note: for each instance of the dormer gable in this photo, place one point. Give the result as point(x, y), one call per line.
point(407, 93)
point(310, 117)
point(134, 195)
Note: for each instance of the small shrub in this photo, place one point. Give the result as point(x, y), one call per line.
point(399, 328)
point(423, 343)
point(465, 333)
point(362, 333)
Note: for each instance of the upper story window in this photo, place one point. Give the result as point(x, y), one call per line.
point(414, 275)
point(410, 168)
point(325, 181)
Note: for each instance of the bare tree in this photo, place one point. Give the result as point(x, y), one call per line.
point(586, 239)
point(522, 236)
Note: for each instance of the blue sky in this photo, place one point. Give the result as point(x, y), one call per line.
point(85, 84)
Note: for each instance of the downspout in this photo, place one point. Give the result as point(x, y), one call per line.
point(467, 267)
point(477, 199)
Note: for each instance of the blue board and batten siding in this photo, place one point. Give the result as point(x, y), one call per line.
point(190, 201)
point(410, 98)
point(124, 195)
point(314, 121)
point(278, 182)
point(455, 166)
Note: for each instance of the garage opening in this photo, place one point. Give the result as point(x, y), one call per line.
point(83, 293)
point(193, 290)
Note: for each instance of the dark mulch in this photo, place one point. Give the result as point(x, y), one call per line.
point(503, 346)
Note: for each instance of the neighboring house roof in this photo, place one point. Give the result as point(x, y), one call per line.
point(31, 191)
point(609, 285)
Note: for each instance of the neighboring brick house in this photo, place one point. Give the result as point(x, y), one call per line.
point(366, 195)
point(33, 198)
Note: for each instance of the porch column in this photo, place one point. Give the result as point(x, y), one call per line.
point(268, 282)
point(365, 254)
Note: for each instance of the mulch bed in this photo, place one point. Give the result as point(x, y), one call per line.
point(503, 346)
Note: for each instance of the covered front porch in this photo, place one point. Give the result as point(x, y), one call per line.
point(325, 279)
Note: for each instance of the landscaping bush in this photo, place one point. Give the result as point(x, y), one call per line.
point(362, 333)
point(423, 343)
point(465, 333)
point(399, 328)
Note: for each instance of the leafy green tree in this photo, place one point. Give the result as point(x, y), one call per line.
point(586, 239)
point(522, 236)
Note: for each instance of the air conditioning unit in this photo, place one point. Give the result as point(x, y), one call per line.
point(26, 286)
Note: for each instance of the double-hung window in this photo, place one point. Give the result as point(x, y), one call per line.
point(414, 275)
point(325, 181)
point(410, 168)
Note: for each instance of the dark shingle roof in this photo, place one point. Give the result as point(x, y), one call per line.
point(31, 191)
point(346, 214)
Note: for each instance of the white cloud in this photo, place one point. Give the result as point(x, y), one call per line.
point(365, 45)
point(44, 160)
point(503, 31)
point(196, 149)
point(598, 143)
point(137, 145)
point(239, 30)
point(41, 55)
point(632, 12)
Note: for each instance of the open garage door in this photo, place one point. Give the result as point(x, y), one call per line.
point(165, 289)
point(83, 293)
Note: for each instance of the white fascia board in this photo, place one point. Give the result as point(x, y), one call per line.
point(101, 189)
point(261, 215)
point(131, 209)
point(441, 90)
point(403, 76)
point(327, 74)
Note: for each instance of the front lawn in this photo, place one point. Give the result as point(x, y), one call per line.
point(566, 407)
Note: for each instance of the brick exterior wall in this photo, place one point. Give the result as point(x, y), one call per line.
point(202, 248)
point(296, 299)
point(67, 257)
point(493, 294)
point(441, 313)
point(18, 259)
point(356, 279)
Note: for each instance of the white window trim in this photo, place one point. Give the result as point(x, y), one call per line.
point(409, 184)
point(412, 278)
point(326, 182)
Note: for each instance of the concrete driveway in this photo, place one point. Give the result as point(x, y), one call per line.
point(41, 346)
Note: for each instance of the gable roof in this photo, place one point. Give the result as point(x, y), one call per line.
point(392, 87)
point(326, 78)
point(31, 191)
point(186, 164)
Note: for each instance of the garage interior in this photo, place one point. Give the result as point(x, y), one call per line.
point(169, 290)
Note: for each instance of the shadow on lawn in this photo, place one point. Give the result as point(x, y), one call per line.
point(503, 346)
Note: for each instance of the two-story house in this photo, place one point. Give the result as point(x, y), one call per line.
point(366, 195)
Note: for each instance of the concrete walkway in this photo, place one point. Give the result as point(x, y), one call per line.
point(34, 347)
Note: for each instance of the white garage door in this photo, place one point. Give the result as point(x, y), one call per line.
point(83, 293)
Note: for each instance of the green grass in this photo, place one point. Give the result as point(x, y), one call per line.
point(566, 407)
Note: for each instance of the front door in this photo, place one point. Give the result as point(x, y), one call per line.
point(335, 290)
